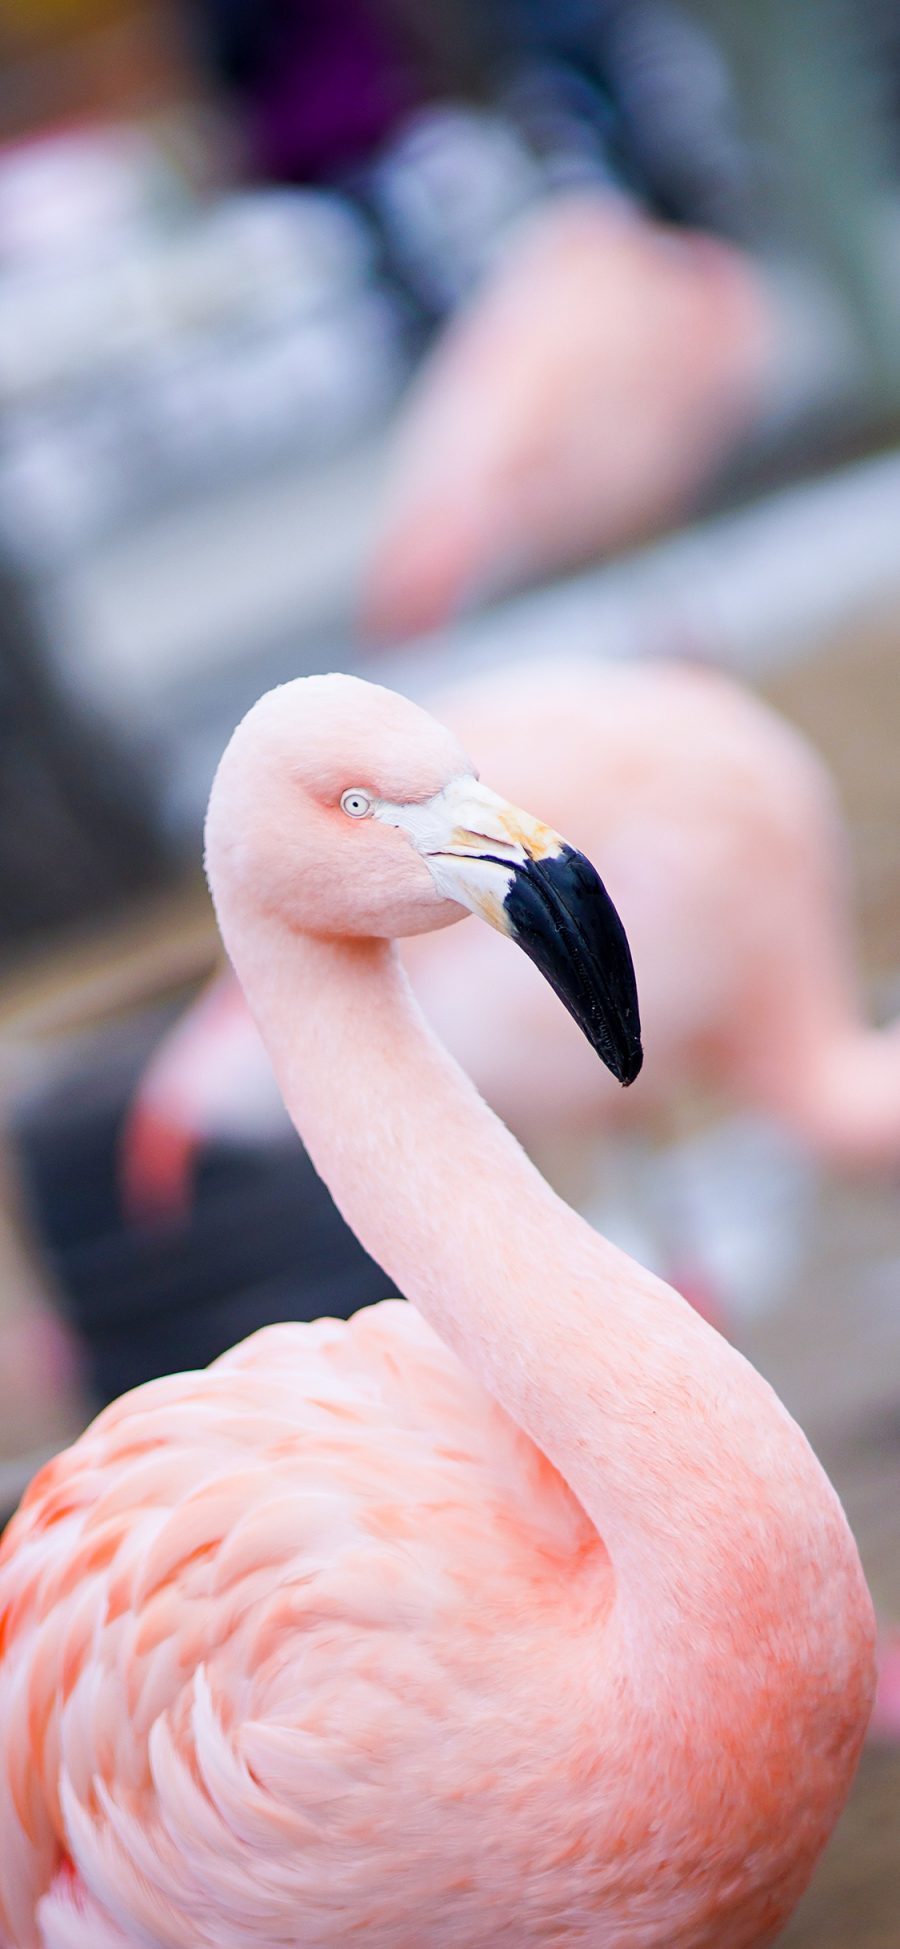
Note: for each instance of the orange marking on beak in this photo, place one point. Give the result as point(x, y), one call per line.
point(536, 839)
point(493, 911)
point(463, 841)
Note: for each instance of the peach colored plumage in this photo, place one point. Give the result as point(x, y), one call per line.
point(520, 1614)
point(578, 403)
point(725, 852)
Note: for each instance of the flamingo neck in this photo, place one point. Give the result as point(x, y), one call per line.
point(713, 1510)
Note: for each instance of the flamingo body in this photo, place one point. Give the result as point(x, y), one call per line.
point(531, 1620)
point(260, 1619)
point(260, 1615)
point(718, 831)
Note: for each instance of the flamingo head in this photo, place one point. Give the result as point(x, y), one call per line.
point(347, 810)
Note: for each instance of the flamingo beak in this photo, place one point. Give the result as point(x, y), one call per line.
point(523, 879)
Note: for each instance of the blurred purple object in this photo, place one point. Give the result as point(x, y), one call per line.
point(326, 83)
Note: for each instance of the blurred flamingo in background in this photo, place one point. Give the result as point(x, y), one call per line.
point(524, 1611)
point(578, 403)
point(726, 854)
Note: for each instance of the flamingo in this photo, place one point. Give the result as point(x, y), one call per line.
point(725, 851)
point(519, 1613)
point(578, 403)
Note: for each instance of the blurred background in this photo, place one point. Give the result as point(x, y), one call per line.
point(445, 343)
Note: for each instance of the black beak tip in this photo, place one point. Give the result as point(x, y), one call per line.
point(629, 1065)
point(563, 917)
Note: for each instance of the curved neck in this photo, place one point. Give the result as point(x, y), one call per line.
point(678, 1452)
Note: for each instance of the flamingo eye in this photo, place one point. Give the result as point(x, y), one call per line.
point(355, 803)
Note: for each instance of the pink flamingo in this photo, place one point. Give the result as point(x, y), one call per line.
point(523, 1612)
point(726, 854)
point(577, 404)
